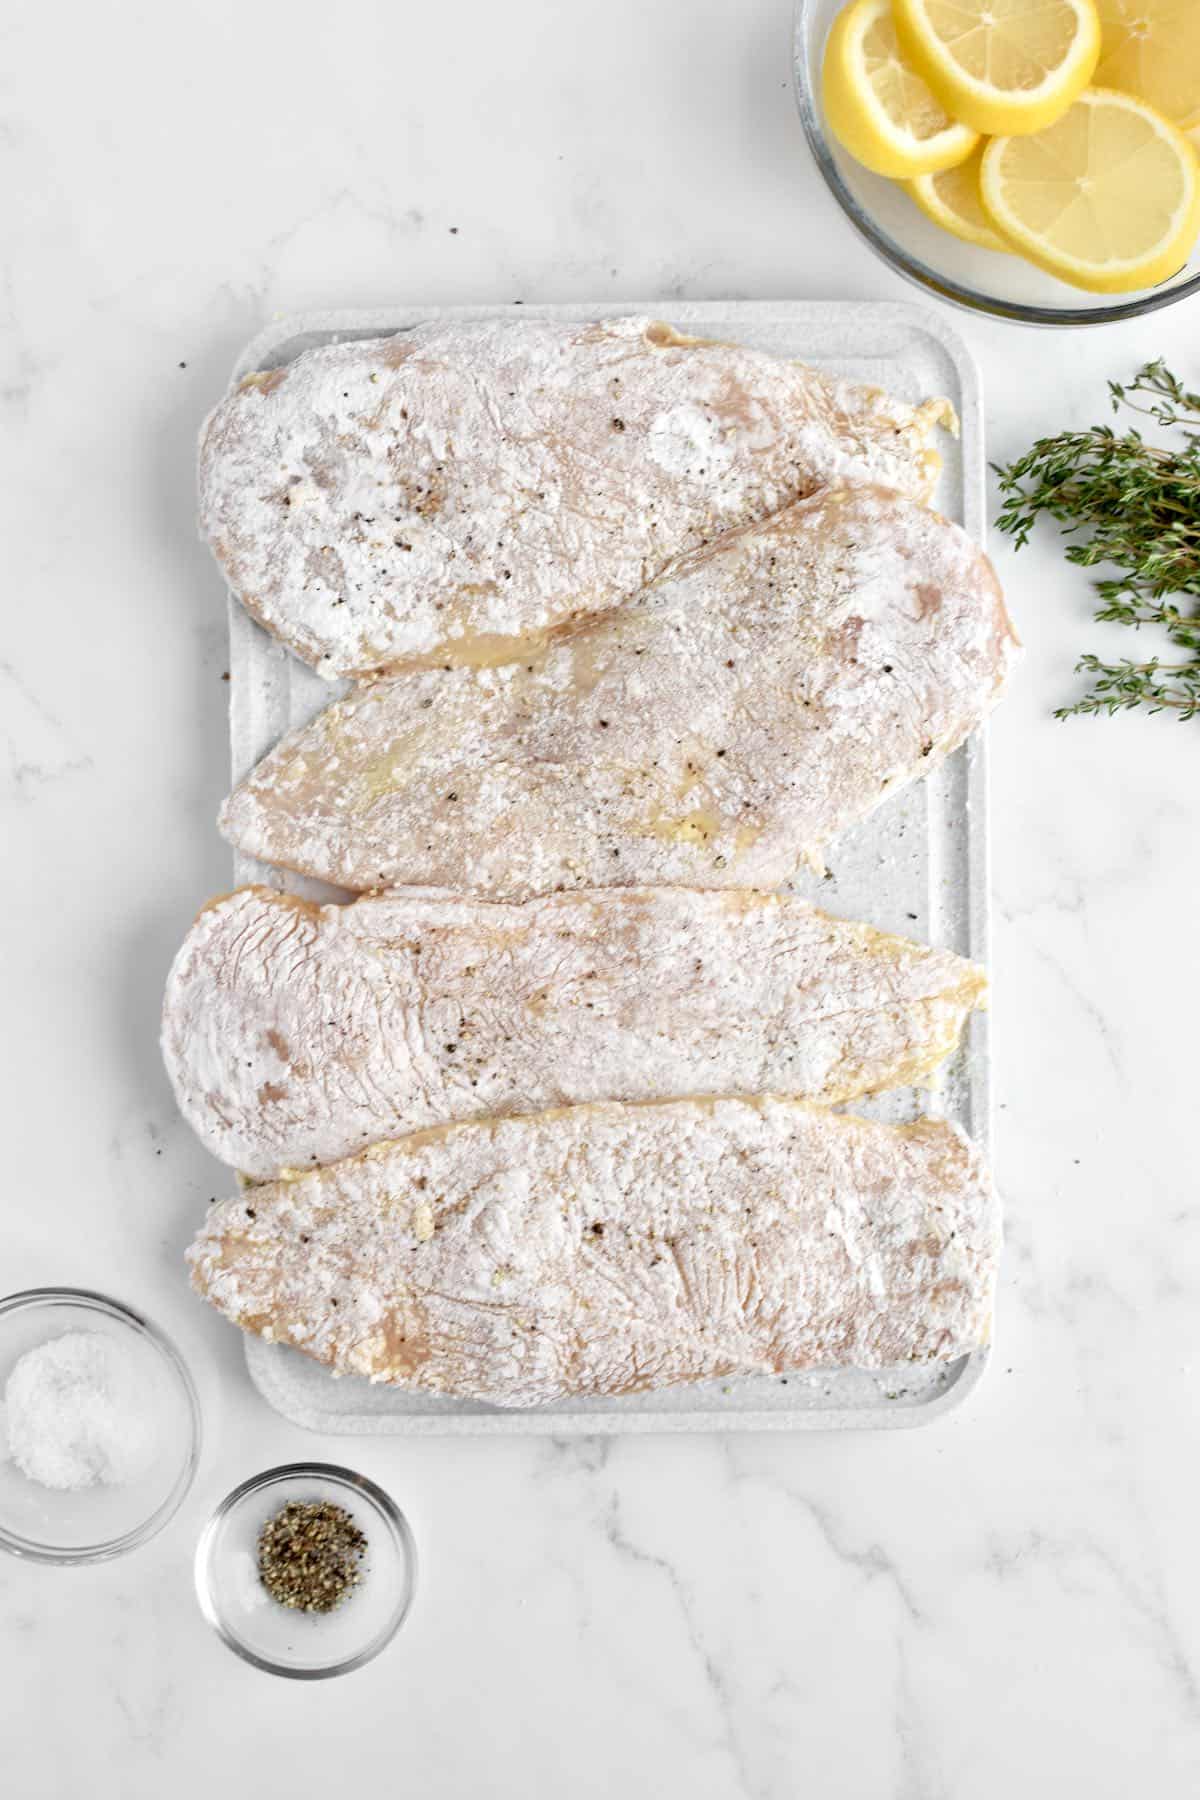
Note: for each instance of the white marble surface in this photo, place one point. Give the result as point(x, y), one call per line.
point(1003, 1603)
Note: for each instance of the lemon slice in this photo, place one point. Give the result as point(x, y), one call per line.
point(877, 106)
point(1107, 198)
point(951, 199)
point(1151, 48)
point(1002, 66)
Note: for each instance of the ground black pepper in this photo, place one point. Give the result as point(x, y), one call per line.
point(310, 1555)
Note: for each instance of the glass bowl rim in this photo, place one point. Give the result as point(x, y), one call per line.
point(90, 1300)
point(911, 267)
point(337, 1475)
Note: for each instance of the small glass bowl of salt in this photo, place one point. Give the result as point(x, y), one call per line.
point(99, 1427)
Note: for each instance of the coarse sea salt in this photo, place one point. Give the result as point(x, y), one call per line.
point(75, 1412)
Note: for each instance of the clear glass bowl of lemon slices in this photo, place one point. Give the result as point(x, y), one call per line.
point(1038, 160)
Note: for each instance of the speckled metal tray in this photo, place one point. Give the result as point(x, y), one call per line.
point(919, 865)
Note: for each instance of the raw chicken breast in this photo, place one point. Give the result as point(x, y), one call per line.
point(607, 1249)
point(373, 501)
point(713, 732)
point(295, 1034)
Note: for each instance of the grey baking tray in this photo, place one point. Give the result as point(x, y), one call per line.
point(919, 865)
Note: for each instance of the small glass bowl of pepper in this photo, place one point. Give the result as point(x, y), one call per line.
point(306, 1570)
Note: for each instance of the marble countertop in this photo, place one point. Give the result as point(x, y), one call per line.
point(1004, 1602)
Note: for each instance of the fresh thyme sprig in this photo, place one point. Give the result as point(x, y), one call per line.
point(1139, 503)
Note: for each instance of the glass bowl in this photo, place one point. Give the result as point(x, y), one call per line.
point(983, 281)
point(306, 1646)
point(93, 1523)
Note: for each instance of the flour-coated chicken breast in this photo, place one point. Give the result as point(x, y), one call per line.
point(295, 1034)
point(608, 1249)
point(714, 731)
point(375, 500)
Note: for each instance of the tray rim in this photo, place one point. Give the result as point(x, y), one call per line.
point(261, 351)
point(529, 1422)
